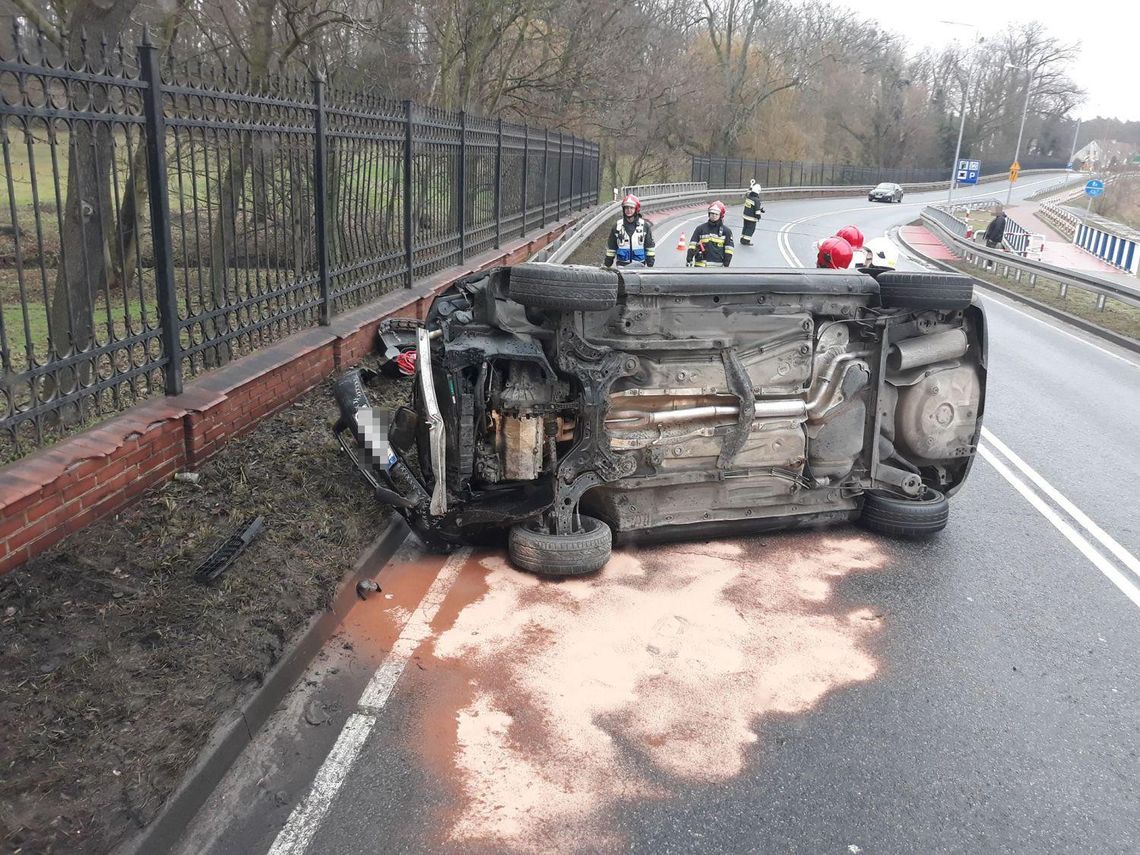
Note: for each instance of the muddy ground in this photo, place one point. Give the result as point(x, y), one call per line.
point(116, 664)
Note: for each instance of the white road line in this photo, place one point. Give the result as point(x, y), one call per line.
point(298, 832)
point(1072, 535)
point(663, 241)
point(1053, 326)
point(306, 818)
point(1123, 555)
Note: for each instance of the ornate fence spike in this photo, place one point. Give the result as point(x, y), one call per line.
point(230, 165)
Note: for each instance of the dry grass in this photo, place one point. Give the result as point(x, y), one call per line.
point(1116, 316)
point(118, 664)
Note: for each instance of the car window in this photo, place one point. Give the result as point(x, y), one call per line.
point(885, 186)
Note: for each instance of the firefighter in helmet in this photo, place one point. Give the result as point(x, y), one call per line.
point(834, 253)
point(711, 243)
point(854, 236)
point(752, 211)
point(631, 238)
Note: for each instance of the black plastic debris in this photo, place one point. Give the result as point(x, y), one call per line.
point(365, 587)
point(222, 557)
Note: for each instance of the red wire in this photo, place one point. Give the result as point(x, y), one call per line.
point(406, 362)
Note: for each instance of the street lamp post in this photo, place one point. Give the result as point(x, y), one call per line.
point(1076, 136)
point(957, 150)
point(978, 39)
point(1021, 130)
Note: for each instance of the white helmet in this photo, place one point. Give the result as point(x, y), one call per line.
point(882, 253)
point(753, 186)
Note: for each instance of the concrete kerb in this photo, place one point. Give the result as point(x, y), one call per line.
point(231, 736)
point(1119, 340)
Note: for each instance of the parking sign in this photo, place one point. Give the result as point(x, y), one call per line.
point(968, 171)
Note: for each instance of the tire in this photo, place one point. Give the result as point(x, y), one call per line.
point(896, 517)
point(569, 288)
point(904, 290)
point(574, 554)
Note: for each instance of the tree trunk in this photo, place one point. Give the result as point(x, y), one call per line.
point(87, 218)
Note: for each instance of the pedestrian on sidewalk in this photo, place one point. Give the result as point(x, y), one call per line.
point(995, 231)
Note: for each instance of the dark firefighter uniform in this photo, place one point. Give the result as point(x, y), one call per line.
point(630, 240)
point(710, 245)
point(752, 211)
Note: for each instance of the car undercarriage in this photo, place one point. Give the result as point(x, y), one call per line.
point(571, 406)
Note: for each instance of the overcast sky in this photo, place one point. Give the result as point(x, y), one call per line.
point(1109, 66)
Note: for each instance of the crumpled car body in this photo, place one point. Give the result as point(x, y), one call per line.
point(575, 406)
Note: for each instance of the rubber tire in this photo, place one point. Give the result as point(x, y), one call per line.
point(575, 554)
point(922, 517)
point(566, 287)
point(900, 289)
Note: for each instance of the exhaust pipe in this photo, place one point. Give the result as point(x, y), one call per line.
point(923, 350)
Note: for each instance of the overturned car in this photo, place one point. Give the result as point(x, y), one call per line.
point(570, 406)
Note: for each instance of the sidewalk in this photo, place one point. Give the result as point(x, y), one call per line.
point(1065, 253)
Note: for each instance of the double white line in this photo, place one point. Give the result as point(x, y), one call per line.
point(1062, 514)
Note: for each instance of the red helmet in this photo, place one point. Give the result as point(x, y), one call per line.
point(852, 235)
point(632, 201)
point(718, 207)
point(834, 253)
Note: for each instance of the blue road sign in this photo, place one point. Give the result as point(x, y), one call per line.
point(1094, 188)
point(968, 171)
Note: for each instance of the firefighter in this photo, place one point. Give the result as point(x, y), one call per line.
point(711, 243)
point(881, 254)
point(833, 254)
point(854, 236)
point(752, 211)
point(631, 238)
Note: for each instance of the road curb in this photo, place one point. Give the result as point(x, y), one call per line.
point(237, 730)
point(1116, 338)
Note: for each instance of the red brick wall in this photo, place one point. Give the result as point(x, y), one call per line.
point(59, 490)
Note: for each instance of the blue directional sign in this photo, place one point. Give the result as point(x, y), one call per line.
point(968, 171)
point(1094, 188)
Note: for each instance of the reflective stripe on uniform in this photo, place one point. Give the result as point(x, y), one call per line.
point(728, 250)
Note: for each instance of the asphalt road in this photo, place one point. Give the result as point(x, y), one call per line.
point(814, 692)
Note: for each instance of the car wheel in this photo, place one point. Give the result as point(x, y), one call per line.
point(569, 288)
point(905, 290)
point(920, 517)
point(575, 554)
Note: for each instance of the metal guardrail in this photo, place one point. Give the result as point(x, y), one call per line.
point(947, 226)
point(1064, 187)
point(640, 190)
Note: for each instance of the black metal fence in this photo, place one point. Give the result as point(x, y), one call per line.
point(161, 219)
point(721, 172)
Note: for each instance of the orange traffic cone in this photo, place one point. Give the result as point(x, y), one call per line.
point(682, 242)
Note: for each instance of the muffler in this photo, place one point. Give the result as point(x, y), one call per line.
point(923, 350)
